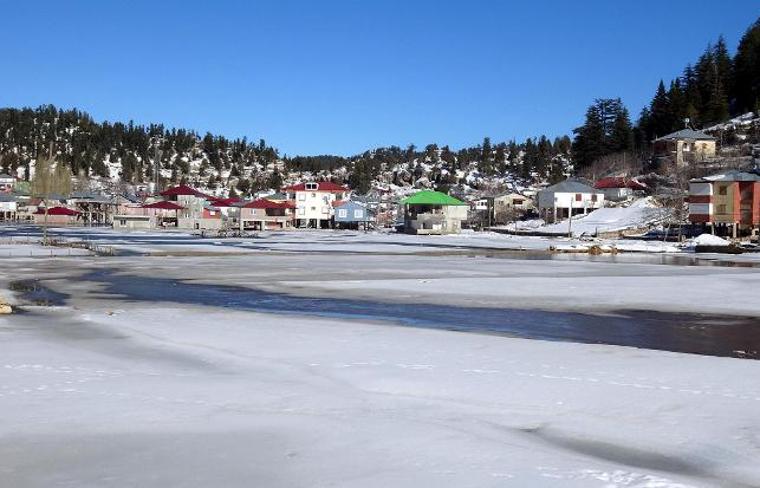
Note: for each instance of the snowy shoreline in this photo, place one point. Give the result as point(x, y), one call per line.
point(111, 390)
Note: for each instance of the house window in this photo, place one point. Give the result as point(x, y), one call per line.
point(312, 186)
point(593, 197)
point(122, 222)
point(342, 213)
point(302, 211)
point(517, 202)
point(313, 195)
point(721, 209)
point(302, 196)
point(358, 213)
point(578, 197)
point(723, 190)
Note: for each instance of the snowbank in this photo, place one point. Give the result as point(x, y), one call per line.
point(708, 240)
point(641, 213)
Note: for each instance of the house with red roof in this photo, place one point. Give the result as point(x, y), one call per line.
point(314, 202)
point(618, 188)
point(263, 214)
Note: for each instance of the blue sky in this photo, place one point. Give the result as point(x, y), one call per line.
point(339, 77)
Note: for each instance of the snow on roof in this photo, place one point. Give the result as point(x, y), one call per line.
point(327, 186)
point(619, 182)
point(686, 134)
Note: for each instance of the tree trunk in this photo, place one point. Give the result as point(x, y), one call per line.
point(45, 225)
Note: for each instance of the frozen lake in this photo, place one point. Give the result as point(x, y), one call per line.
point(291, 363)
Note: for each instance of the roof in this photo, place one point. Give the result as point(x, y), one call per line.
point(731, 175)
point(327, 186)
point(569, 186)
point(224, 202)
point(264, 203)
point(348, 203)
point(164, 205)
point(58, 211)
point(686, 134)
point(183, 190)
point(619, 182)
point(429, 197)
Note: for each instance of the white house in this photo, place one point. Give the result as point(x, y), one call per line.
point(569, 197)
point(314, 202)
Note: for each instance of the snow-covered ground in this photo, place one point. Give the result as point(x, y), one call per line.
point(178, 242)
point(112, 390)
point(640, 214)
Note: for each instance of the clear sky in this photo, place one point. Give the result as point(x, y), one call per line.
point(339, 77)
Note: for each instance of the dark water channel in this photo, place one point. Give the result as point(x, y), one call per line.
point(707, 334)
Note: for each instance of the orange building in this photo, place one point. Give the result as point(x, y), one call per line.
point(728, 203)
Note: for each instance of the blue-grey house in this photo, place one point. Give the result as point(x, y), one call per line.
point(352, 215)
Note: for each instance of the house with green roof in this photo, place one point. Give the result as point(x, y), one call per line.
point(432, 212)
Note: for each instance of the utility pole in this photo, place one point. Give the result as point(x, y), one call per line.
point(157, 164)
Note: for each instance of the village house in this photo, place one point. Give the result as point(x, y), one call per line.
point(726, 203)
point(618, 188)
point(7, 182)
point(263, 214)
point(509, 206)
point(684, 147)
point(350, 214)
point(314, 202)
point(569, 197)
point(432, 212)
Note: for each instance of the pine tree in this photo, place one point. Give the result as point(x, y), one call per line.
point(746, 82)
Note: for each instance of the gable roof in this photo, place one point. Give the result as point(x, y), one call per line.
point(429, 197)
point(183, 190)
point(569, 186)
point(619, 182)
point(326, 186)
point(690, 134)
point(164, 205)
